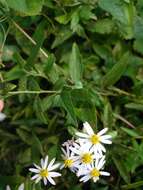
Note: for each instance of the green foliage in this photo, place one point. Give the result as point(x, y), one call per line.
point(64, 62)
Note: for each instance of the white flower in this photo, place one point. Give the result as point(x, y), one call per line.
point(96, 141)
point(83, 154)
point(93, 171)
point(68, 157)
point(45, 172)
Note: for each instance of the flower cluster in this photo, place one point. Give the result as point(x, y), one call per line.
point(83, 156)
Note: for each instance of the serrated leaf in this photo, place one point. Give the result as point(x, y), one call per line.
point(103, 26)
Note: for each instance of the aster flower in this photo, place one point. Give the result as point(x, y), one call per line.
point(45, 171)
point(95, 141)
point(83, 154)
point(68, 157)
point(93, 171)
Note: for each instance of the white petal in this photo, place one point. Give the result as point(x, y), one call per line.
point(62, 166)
point(51, 181)
point(42, 162)
point(52, 162)
point(54, 174)
point(103, 131)
point(63, 150)
point(45, 180)
point(87, 128)
point(35, 176)
point(96, 163)
point(8, 187)
point(38, 179)
point(53, 167)
point(101, 163)
point(104, 173)
point(2, 116)
point(85, 178)
point(95, 179)
point(102, 147)
point(76, 151)
point(68, 151)
point(99, 149)
point(38, 167)
point(21, 187)
point(45, 163)
point(106, 141)
point(82, 135)
point(34, 170)
point(105, 137)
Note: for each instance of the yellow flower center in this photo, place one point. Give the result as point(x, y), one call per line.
point(87, 158)
point(94, 139)
point(68, 163)
point(95, 173)
point(44, 173)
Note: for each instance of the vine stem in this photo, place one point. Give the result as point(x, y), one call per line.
point(29, 37)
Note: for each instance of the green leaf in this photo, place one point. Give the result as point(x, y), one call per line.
point(116, 71)
point(130, 132)
point(26, 7)
point(48, 64)
point(61, 37)
point(133, 185)
point(74, 20)
point(15, 73)
point(75, 66)
point(103, 26)
point(68, 104)
point(41, 114)
point(123, 12)
point(39, 35)
point(122, 169)
point(107, 115)
point(138, 28)
point(134, 106)
point(63, 19)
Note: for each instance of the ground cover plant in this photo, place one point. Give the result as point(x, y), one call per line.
point(65, 64)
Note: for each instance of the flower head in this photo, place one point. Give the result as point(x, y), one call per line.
point(45, 171)
point(83, 154)
point(93, 171)
point(95, 141)
point(68, 157)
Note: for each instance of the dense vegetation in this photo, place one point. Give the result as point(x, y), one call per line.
point(64, 62)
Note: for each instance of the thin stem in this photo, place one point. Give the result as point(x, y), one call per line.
point(34, 92)
point(124, 120)
point(29, 37)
